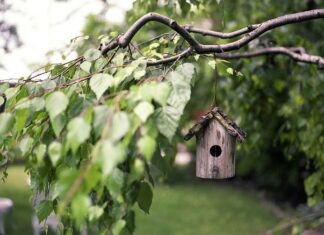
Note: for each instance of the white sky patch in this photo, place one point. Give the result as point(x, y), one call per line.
point(47, 25)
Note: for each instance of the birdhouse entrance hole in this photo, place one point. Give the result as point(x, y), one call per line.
point(215, 150)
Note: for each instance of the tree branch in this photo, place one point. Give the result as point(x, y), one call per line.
point(221, 35)
point(298, 54)
point(124, 39)
point(254, 32)
point(250, 33)
point(179, 56)
point(263, 27)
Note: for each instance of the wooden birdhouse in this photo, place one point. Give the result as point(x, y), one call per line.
point(216, 138)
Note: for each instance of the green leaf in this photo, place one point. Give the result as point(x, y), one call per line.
point(2, 100)
point(92, 54)
point(187, 70)
point(176, 39)
point(212, 63)
point(139, 73)
point(118, 60)
point(99, 83)
point(58, 123)
point(85, 66)
point(118, 227)
point(48, 84)
point(147, 91)
point(146, 146)
point(230, 71)
point(48, 67)
point(143, 110)
point(185, 6)
point(44, 209)
point(40, 152)
point(120, 125)
point(145, 196)
point(99, 64)
point(154, 45)
point(122, 74)
point(110, 156)
point(167, 119)
point(58, 69)
point(55, 152)
point(78, 132)
point(12, 92)
point(162, 93)
point(7, 121)
point(80, 206)
point(21, 118)
point(4, 87)
point(180, 93)
point(101, 115)
point(56, 103)
point(137, 170)
point(130, 221)
point(92, 177)
point(115, 182)
point(95, 212)
point(66, 178)
point(25, 145)
point(36, 104)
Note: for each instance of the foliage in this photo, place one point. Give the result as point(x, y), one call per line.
point(90, 145)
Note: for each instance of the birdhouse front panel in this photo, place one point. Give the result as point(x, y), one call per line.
point(215, 152)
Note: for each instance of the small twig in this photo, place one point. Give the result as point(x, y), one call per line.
point(155, 38)
point(130, 52)
point(179, 56)
point(298, 54)
point(30, 78)
point(221, 35)
point(136, 48)
point(76, 185)
point(67, 68)
point(168, 70)
point(110, 59)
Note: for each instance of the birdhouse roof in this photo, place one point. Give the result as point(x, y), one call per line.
point(216, 114)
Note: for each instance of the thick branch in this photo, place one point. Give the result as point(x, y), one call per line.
point(256, 31)
point(125, 39)
point(263, 27)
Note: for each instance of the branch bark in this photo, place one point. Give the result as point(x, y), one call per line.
point(221, 35)
point(251, 32)
point(298, 54)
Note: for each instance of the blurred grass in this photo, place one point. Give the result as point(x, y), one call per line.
point(182, 209)
point(204, 209)
point(15, 187)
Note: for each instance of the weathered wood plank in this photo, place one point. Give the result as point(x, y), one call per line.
point(222, 165)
